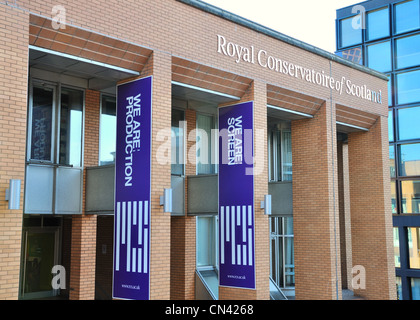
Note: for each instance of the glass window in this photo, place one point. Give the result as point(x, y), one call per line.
point(397, 258)
point(399, 288)
point(205, 144)
point(407, 16)
point(206, 241)
point(415, 289)
point(378, 24)
point(392, 161)
point(390, 126)
point(280, 150)
point(42, 118)
point(177, 133)
point(408, 122)
point(353, 55)
point(410, 193)
point(414, 247)
point(390, 94)
point(379, 56)
point(409, 159)
point(408, 89)
point(350, 33)
point(408, 52)
point(108, 130)
point(71, 127)
point(393, 197)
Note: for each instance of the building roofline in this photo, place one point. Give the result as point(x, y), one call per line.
point(279, 36)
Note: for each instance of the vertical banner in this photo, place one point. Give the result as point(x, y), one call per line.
point(236, 197)
point(131, 277)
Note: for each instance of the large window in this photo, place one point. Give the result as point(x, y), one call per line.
point(282, 265)
point(409, 159)
point(408, 123)
point(280, 155)
point(415, 288)
point(414, 247)
point(390, 126)
point(408, 89)
point(108, 130)
point(177, 133)
point(206, 144)
point(379, 56)
point(378, 24)
point(392, 161)
point(351, 34)
point(206, 241)
point(410, 193)
point(393, 197)
point(407, 16)
point(397, 257)
point(408, 51)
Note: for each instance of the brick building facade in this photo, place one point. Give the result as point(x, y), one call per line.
point(340, 195)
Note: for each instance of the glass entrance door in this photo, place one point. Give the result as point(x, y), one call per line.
point(282, 266)
point(39, 257)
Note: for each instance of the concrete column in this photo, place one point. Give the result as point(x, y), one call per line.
point(371, 217)
point(315, 206)
point(258, 93)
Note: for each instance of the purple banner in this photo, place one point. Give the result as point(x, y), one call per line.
point(236, 197)
point(132, 191)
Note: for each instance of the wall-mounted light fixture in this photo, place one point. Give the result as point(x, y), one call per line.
point(266, 204)
point(166, 200)
point(13, 194)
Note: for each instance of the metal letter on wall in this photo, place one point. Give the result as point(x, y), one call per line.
point(132, 191)
point(236, 197)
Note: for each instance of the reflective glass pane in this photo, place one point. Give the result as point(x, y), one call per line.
point(408, 89)
point(408, 51)
point(378, 24)
point(408, 123)
point(393, 197)
point(351, 33)
point(397, 258)
point(390, 126)
point(409, 159)
point(206, 241)
point(379, 56)
point(392, 161)
point(71, 127)
point(399, 288)
point(410, 193)
point(353, 55)
point(415, 289)
point(42, 117)
point(108, 130)
point(177, 143)
point(390, 94)
point(407, 16)
point(205, 124)
point(414, 247)
point(286, 158)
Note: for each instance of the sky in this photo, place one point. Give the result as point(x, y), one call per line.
point(310, 21)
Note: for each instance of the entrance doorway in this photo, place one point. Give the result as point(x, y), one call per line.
point(40, 254)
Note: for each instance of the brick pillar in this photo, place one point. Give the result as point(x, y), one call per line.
point(83, 238)
point(371, 217)
point(13, 110)
point(258, 93)
point(315, 207)
point(183, 230)
point(159, 65)
point(344, 207)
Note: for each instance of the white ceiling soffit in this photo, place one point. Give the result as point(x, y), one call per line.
point(99, 75)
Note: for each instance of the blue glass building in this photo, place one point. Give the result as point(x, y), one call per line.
point(385, 35)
